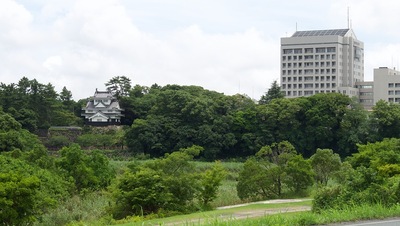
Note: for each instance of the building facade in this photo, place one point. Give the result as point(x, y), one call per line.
point(386, 85)
point(102, 109)
point(321, 61)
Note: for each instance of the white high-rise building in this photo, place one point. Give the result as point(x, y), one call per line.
point(321, 61)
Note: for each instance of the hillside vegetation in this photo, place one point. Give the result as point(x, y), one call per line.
point(184, 149)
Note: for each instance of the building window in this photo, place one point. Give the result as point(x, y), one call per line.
point(397, 92)
point(308, 78)
point(287, 51)
point(333, 72)
point(397, 85)
point(308, 50)
point(294, 79)
point(289, 93)
point(316, 71)
point(322, 85)
point(390, 92)
point(289, 86)
point(294, 57)
point(300, 93)
point(397, 100)
point(294, 93)
point(390, 99)
point(390, 85)
point(333, 56)
point(283, 58)
point(322, 64)
point(300, 78)
point(289, 57)
point(300, 86)
point(284, 86)
point(283, 79)
point(283, 72)
point(322, 57)
point(298, 51)
point(300, 57)
point(331, 49)
point(308, 85)
point(316, 85)
point(333, 63)
point(294, 86)
point(308, 93)
point(284, 65)
point(309, 57)
point(308, 72)
point(333, 85)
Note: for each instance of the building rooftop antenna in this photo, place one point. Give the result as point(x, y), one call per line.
point(348, 17)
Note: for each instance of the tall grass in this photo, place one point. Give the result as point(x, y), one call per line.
point(89, 208)
point(227, 194)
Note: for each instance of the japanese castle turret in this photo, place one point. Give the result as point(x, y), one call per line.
point(102, 109)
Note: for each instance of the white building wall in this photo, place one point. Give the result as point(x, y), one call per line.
point(321, 64)
point(386, 85)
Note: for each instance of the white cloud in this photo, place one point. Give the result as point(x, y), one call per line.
point(224, 47)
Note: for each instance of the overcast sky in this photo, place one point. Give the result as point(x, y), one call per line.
point(230, 46)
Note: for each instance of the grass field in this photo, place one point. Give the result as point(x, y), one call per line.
point(231, 214)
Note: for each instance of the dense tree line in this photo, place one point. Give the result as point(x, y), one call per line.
point(165, 119)
point(172, 117)
point(39, 106)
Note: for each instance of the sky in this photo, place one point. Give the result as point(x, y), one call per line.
point(228, 46)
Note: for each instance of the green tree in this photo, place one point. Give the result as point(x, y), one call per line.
point(17, 198)
point(119, 85)
point(299, 174)
point(273, 167)
point(170, 183)
point(325, 163)
point(386, 118)
point(87, 171)
point(210, 181)
point(27, 191)
point(274, 92)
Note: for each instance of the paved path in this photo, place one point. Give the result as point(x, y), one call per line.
point(244, 214)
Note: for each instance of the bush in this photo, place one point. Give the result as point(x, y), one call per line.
point(328, 198)
point(87, 171)
point(27, 191)
point(58, 142)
